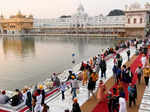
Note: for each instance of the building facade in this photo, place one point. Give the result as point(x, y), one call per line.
point(135, 22)
point(16, 24)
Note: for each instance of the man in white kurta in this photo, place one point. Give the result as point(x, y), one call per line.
point(122, 103)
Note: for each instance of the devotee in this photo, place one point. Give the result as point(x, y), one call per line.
point(123, 73)
point(75, 86)
point(70, 75)
point(76, 106)
point(129, 75)
point(115, 100)
point(28, 98)
point(119, 60)
point(122, 103)
point(41, 88)
point(38, 101)
point(103, 68)
point(3, 97)
point(139, 72)
point(101, 91)
point(146, 73)
point(109, 97)
point(92, 83)
point(131, 92)
point(63, 88)
point(143, 60)
point(128, 54)
point(114, 69)
point(85, 77)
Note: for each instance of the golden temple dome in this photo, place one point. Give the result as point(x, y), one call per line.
point(20, 15)
point(30, 16)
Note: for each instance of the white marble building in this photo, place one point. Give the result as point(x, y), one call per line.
point(80, 20)
point(134, 22)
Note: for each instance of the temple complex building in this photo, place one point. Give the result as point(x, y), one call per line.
point(135, 22)
point(16, 24)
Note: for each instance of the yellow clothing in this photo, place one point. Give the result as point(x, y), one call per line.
point(91, 61)
point(85, 77)
point(146, 72)
point(94, 77)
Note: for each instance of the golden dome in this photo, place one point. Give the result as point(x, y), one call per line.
point(30, 16)
point(19, 14)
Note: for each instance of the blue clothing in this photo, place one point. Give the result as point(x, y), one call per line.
point(124, 75)
point(63, 87)
point(74, 93)
point(131, 91)
point(118, 71)
point(114, 69)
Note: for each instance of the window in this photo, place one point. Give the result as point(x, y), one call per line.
point(128, 21)
point(141, 20)
point(134, 21)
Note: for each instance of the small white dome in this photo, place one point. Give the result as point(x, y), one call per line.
point(80, 8)
point(135, 5)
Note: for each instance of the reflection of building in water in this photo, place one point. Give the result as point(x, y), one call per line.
point(21, 47)
point(16, 24)
point(82, 45)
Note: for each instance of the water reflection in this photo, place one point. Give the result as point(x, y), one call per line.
point(33, 59)
point(22, 47)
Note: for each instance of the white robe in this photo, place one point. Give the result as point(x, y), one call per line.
point(122, 103)
point(38, 106)
point(143, 61)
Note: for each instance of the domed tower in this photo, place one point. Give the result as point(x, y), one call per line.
point(80, 9)
point(1, 16)
point(19, 15)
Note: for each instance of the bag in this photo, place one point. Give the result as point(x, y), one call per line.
point(14, 101)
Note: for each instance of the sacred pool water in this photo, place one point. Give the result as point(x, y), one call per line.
point(28, 60)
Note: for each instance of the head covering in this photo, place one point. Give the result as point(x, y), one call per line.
point(75, 100)
point(147, 66)
point(40, 87)
point(109, 92)
point(3, 92)
point(73, 77)
point(70, 70)
point(101, 81)
point(130, 84)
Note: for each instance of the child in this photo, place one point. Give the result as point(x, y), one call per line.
point(62, 88)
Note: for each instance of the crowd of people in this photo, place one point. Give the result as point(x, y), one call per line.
point(89, 76)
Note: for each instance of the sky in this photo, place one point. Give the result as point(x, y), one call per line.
point(57, 8)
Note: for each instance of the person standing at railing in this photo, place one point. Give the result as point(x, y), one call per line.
point(38, 101)
point(27, 97)
point(41, 88)
point(3, 98)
